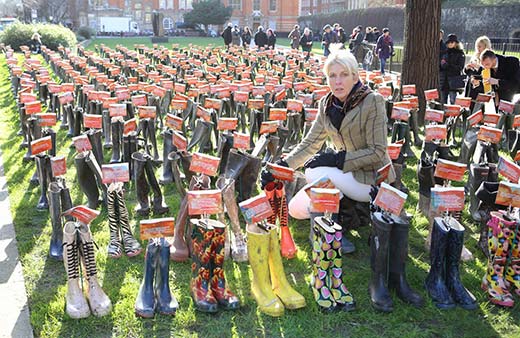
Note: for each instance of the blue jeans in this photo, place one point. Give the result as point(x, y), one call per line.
point(383, 64)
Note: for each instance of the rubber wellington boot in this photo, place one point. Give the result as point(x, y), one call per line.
point(414, 123)
point(71, 120)
point(55, 209)
point(153, 140)
point(236, 163)
point(248, 178)
point(131, 245)
point(435, 282)
point(225, 297)
point(429, 149)
point(117, 140)
point(459, 293)
point(129, 147)
point(398, 256)
point(141, 184)
point(493, 282)
point(43, 165)
point(115, 247)
point(513, 270)
point(159, 207)
point(398, 183)
point(145, 302)
point(514, 142)
point(469, 142)
point(94, 137)
point(168, 147)
point(76, 304)
point(425, 171)
point(179, 250)
point(290, 298)
point(478, 173)
point(288, 248)
point(201, 135)
point(238, 243)
point(201, 268)
point(258, 248)
point(379, 248)
point(225, 144)
point(173, 160)
point(445, 153)
point(166, 302)
point(283, 134)
point(78, 121)
point(95, 168)
point(272, 147)
point(100, 304)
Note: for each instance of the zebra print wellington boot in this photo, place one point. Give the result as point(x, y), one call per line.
point(131, 245)
point(114, 245)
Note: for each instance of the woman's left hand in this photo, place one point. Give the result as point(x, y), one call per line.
point(326, 160)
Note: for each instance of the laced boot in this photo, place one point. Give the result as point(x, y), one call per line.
point(168, 147)
point(94, 137)
point(141, 184)
point(76, 304)
point(477, 174)
point(145, 302)
point(43, 165)
point(513, 270)
point(225, 297)
point(379, 244)
point(55, 209)
point(493, 282)
point(459, 293)
point(100, 304)
point(258, 249)
point(398, 256)
point(288, 247)
point(201, 268)
point(166, 302)
point(117, 138)
point(108, 129)
point(201, 135)
point(159, 207)
point(435, 282)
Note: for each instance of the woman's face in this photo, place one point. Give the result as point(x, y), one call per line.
point(341, 81)
point(480, 47)
point(451, 44)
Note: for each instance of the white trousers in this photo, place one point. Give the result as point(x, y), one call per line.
point(344, 182)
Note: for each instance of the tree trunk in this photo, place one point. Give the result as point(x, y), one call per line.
point(421, 47)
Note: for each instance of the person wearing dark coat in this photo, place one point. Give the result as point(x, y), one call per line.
point(452, 63)
point(227, 35)
point(329, 37)
point(473, 70)
point(271, 39)
point(342, 36)
point(246, 37)
point(295, 36)
point(260, 38)
point(306, 41)
point(505, 74)
point(384, 48)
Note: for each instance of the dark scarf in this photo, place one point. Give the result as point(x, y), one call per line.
point(336, 110)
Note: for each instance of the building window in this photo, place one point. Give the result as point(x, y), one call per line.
point(256, 5)
point(162, 4)
point(169, 4)
point(168, 23)
point(185, 4)
point(236, 4)
point(272, 5)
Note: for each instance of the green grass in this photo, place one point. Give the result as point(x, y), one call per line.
point(46, 279)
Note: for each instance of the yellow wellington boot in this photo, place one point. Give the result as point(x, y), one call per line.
point(281, 287)
point(258, 252)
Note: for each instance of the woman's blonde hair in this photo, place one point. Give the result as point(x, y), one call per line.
point(343, 58)
point(482, 40)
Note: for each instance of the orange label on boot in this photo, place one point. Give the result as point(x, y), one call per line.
point(34, 107)
point(58, 166)
point(322, 182)
point(93, 121)
point(295, 105)
point(118, 109)
point(174, 122)
point(179, 141)
point(382, 174)
point(204, 164)
point(452, 110)
point(385, 91)
point(129, 127)
point(489, 134)
point(399, 113)
point(491, 118)
point(204, 114)
point(82, 143)
point(390, 199)
point(268, 127)
point(517, 156)
point(178, 104)
point(509, 170)
point(516, 122)
point(277, 114)
point(435, 132)
point(311, 114)
point(506, 106)
point(409, 89)
point(240, 96)
point(508, 194)
point(280, 172)
point(430, 94)
point(82, 213)
point(256, 209)
point(241, 141)
point(41, 145)
point(434, 115)
point(156, 228)
point(464, 102)
point(116, 172)
point(227, 123)
point(256, 104)
point(139, 100)
point(46, 120)
point(146, 112)
point(447, 199)
point(450, 170)
point(205, 202)
point(483, 98)
point(324, 200)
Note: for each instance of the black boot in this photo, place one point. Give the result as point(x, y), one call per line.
point(425, 170)
point(71, 119)
point(435, 281)
point(225, 145)
point(141, 184)
point(168, 147)
point(429, 149)
point(129, 147)
point(55, 209)
point(153, 140)
point(414, 122)
point(166, 302)
point(459, 293)
point(96, 170)
point(469, 142)
point(379, 244)
point(283, 133)
point(145, 302)
point(108, 129)
point(272, 148)
point(159, 207)
point(445, 153)
point(43, 165)
point(117, 137)
point(235, 165)
point(513, 138)
point(87, 180)
point(201, 135)
point(173, 160)
point(78, 121)
point(398, 256)
point(247, 180)
point(94, 137)
point(477, 174)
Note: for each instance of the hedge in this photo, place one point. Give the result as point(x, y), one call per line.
point(52, 36)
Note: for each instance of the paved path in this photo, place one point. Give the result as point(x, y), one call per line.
point(14, 312)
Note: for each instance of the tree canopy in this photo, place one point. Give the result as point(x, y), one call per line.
point(208, 12)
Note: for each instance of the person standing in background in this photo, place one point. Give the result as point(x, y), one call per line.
point(452, 63)
point(271, 39)
point(235, 36)
point(227, 35)
point(384, 48)
point(295, 36)
point(306, 41)
point(473, 69)
point(505, 74)
point(246, 37)
point(329, 37)
point(260, 38)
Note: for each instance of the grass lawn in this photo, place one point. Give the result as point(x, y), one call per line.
point(46, 279)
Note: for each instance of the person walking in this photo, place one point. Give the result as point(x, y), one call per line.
point(328, 38)
point(384, 48)
point(306, 41)
point(246, 37)
point(227, 35)
point(260, 38)
point(295, 36)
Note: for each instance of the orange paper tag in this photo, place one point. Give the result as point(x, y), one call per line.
point(239, 96)
point(179, 141)
point(280, 172)
point(401, 114)
point(408, 89)
point(34, 107)
point(447, 199)
point(431, 94)
point(385, 91)
point(382, 174)
point(93, 121)
point(452, 110)
point(147, 112)
point(464, 102)
point(489, 134)
point(205, 202)
point(390, 199)
point(393, 150)
point(156, 228)
point(117, 109)
point(509, 170)
point(82, 213)
point(475, 118)
point(139, 100)
point(174, 122)
point(435, 132)
point(268, 127)
point(178, 104)
point(204, 164)
point(491, 118)
point(311, 114)
point(508, 194)
point(41, 145)
point(46, 120)
point(295, 105)
point(277, 114)
point(241, 141)
point(82, 143)
point(256, 209)
point(58, 166)
point(129, 126)
point(227, 123)
point(116, 172)
point(434, 115)
point(483, 98)
point(256, 104)
point(324, 200)
point(450, 170)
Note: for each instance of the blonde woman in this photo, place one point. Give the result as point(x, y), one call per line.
point(474, 69)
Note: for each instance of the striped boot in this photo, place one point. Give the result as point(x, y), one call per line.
point(114, 245)
point(287, 245)
point(131, 245)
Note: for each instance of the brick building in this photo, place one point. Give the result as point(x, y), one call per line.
point(311, 7)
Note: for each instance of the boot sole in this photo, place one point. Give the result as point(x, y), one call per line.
point(511, 303)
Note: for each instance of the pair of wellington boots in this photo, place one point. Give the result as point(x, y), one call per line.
point(147, 128)
point(275, 193)
point(327, 285)
point(443, 281)
point(503, 267)
point(178, 159)
point(201, 136)
point(78, 250)
point(90, 178)
point(154, 294)
point(270, 288)
point(144, 178)
point(388, 255)
point(118, 222)
point(208, 287)
point(59, 201)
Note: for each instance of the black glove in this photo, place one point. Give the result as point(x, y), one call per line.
point(266, 176)
point(373, 193)
point(326, 160)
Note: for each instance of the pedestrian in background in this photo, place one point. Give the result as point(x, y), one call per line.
point(271, 39)
point(329, 37)
point(227, 35)
point(384, 48)
point(452, 63)
point(246, 37)
point(235, 36)
point(260, 38)
point(295, 36)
